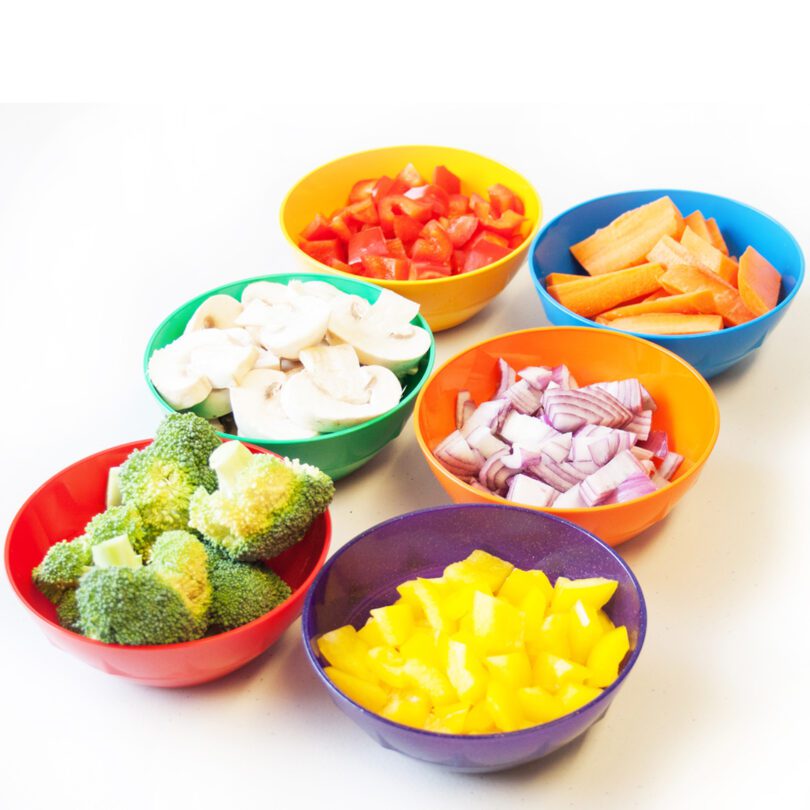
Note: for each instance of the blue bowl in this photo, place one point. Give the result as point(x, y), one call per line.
point(364, 574)
point(741, 225)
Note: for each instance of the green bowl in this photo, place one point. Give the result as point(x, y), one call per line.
point(338, 453)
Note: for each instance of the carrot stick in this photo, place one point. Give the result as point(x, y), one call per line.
point(683, 278)
point(759, 282)
point(700, 302)
point(715, 237)
point(669, 323)
point(709, 257)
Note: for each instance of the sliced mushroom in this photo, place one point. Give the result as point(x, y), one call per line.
point(216, 312)
point(381, 332)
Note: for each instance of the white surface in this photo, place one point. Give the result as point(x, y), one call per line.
point(111, 217)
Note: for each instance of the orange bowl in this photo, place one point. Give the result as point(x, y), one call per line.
point(444, 302)
point(60, 509)
point(687, 411)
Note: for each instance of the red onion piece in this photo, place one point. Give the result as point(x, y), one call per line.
point(527, 490)
point(482, 440)
point(537, 376)
point(487, 413)
point(465, 407)
point(595, 488)
point(570, 499)
point(640, 424)
point(669, 465)
point(568, 410)
point(633, 487)
point(508, 377)
point(457, 456)
point(563, 377)
point(656, 443)
point(524, 397)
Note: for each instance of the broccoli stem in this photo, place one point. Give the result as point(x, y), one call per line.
point(118, 552)
point(228, 461)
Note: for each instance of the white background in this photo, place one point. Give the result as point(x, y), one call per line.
point(112, 216)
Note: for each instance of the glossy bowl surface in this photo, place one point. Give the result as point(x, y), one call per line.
point(444, 302)
point(687, 410)
point(338, 453)
point(364, 574)
point(60, 509)
point(710, 353)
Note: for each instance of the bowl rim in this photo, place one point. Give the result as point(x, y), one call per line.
point(580, 510)
point(180, 645)
point(546, 298)
point(321, 437)
point(416, 283)
point(474, 738)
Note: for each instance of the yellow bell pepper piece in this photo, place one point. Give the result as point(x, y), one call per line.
point(594, 592)
point(396, 623)
point(479, 567)
point(368, 695)
point(605, 657)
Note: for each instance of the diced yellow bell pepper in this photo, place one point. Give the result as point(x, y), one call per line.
point(447, 719)
point(551, 672)
point(430, 681)
point(371, 635)
point(459, 602)
point(586, 630)
point(422, 645)
point(594, 592)
point(368, 695)
point(520, 583)
point(605, 657)
point(387, 665)
point(497, 625)
point(343, 649)
point(396, 623)
point(479, 720)
point(574, 696)
point(479, 567)
point(533, 608)
point(465, 672)
point(504, 707)
point(539, 705)
point(407, 708)
point(604, 619)
point(431, 595)
point(513, 669)
point(553, 636)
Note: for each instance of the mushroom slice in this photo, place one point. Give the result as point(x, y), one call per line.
point(224, 365)
point(334, 392)
point(181, 385)
point(271, 292)
point(317, 289)
point(257, 407)
point(216, 312)
point(216, 404)
point(381, 332)
point(295, 325)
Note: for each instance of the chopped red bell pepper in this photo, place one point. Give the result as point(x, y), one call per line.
point(435, 196)
point(370, 241)
point(485, 249)
point(442, 176)
point(362, 190)
point(406, 228)
point(318, 229)
point(458, 204)
point(433, 245)
point(385, 267)
point(323, 250)
point(424, 271)
point(461, 229)
point(396, 249)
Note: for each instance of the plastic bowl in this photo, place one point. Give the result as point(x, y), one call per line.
point(444, 302)
point(687, 410)
point(338, 453)
point(710, 353)
point(60, 509)
point(364, 574)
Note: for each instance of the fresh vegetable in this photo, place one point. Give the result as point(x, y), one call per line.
point(132, 580)
point(696, 288)
point(484, 648)
point(267, 370)
point(544, 441)
point(263, 505)
point(411, 230)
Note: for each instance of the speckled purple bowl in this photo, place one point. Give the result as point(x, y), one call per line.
point(364, 574)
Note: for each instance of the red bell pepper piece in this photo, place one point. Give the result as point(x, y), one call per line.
point(340, 227)
point(433, 245)
point(385, 267)
point(410, 177)
point(396, 249)
point(323, 250)
point(318, 229)
point(362, 190)
point(382, 188)
point(399, 204)
point(339, 265)
point(507, 224)
point(368, 242)
point(504, 199)
point(461, 229)
point(442, 176)
point(364, 211)
point(435, 196)
point(485, 249)
point(424, 271)
point(458, 204)
point(406, 228)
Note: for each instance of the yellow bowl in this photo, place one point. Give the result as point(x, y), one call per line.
point(444, 302)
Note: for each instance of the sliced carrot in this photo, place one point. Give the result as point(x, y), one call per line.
point(668, 252)
point(564, 278)
point(629, 238)
point(683, 278)
point(759, 282)
point(715, 237)
point(700, 302)
point(697, 222)
point(654, 296)
point(669, 323)
point(709, 257)
point(607, 291)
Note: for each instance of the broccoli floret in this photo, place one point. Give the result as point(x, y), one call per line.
point(125, 519)
point(241, 591)
point(160, 479)
point(67, 611)
point(62, 567)
point(264, 505)
point(163, 602)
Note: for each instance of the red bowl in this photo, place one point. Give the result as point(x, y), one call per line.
point(61, 508)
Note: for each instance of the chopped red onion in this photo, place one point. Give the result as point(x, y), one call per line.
point(487, 413)
point(640, 424)
point(530, 491)
point(495, 475)
point(524, 397)
point(656, 443)
point(527, 431)
point(601, 444)
point(598, 486)
point(669, 465)
point(641, 453)
point(537, 376)
point(482, 440)
point(508, 377)
point(568, 410)
point(570, 499)
point(465, 407)
point(633, 487)
point(628, 392)
point(458, 456)
point(563, 377)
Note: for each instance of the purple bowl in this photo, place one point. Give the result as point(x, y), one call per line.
point(364, 574)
